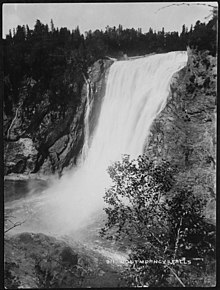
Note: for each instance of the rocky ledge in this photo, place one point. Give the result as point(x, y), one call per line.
point(41, 261)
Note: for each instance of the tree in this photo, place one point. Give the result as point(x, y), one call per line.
point(52, 25)
point(154, 225)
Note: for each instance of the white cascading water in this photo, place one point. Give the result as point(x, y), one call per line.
point(86, 123)
point(136, 92)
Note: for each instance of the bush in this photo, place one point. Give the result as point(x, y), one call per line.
point(154, 226)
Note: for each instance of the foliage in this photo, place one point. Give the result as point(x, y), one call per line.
point(11, 280)
point(54, 273)
point(137, 186)
point(154, 226)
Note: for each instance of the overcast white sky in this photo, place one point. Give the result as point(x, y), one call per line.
point(98, 15)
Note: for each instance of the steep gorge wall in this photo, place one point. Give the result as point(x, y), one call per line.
point(185, 131)
point(44, 139)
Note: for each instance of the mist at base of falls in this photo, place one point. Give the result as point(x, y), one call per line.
point(136, 92)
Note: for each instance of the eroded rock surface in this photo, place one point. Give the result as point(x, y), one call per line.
point(20, 156)
point(185, 131)
point(52, 135)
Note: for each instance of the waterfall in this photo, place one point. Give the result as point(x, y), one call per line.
point(136, 92)
point(86, 123)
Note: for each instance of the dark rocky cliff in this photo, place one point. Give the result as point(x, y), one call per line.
point(185, 131)
point(40, 138)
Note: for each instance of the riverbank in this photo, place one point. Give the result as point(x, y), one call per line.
point(31, 176)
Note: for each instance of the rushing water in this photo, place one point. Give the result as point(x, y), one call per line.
point(136, 92)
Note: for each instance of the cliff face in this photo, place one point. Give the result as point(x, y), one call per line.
point(185, 131)
point(42, 138)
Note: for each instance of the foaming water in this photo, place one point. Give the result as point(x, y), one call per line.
point(136, 92)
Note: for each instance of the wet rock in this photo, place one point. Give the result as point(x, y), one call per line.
point(59, 145)
point(20, 156)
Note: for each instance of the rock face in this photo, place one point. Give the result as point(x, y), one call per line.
point(41, 138)
point(185, 131)
point(20, 156)
point(54, 138)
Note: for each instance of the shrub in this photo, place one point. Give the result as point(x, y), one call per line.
point(154, 226)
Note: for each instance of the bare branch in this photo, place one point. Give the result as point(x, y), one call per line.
point(14, 226)
point(188, 4)
point(177, 277)
point(85, 79)
point(178, 238)
point(174, 273)
point(9, 216)
point(10, 221)
point(12, 123)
